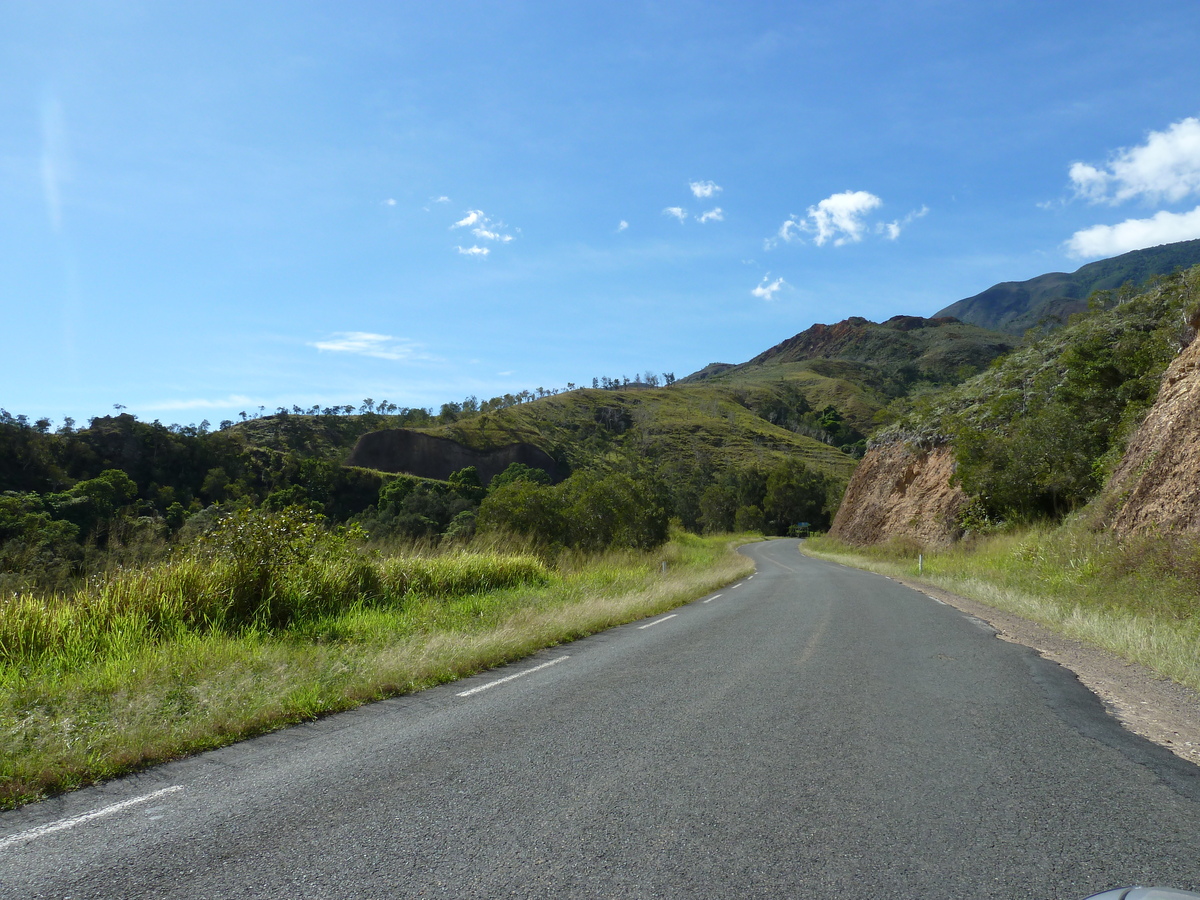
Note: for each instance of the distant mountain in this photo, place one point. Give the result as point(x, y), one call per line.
point(1016, 306)
point(858, 365)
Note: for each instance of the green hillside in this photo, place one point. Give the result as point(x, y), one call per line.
point(718, 426)
point(1016, 306)
point(858, 366)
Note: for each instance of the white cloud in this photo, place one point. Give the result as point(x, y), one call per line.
point(891, 230)
point(1166, 167)
point(713, 215)
point(704, 189)
point(767, 289)
point(489, 235)
point(622, 226)
point(789, 231)
point(483, 228)
point(365, 343)
point(677, 211)
point(1135, 234)
point(840, 217)
point(442, 199)
point(390, 201)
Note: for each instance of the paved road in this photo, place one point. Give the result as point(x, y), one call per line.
point(812, 732)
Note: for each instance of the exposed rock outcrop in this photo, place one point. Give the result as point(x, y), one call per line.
point(900, 490)
point(415, 453)
point(1156, 485)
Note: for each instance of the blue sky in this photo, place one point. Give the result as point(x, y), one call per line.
point(210, 207)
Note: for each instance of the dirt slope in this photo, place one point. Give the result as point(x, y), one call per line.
point(901, 491)
point(1156, 484)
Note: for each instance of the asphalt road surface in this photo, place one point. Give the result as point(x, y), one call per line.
point(810, 732)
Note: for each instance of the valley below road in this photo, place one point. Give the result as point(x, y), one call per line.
point(812, 731)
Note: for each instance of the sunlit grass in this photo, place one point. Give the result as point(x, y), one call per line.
point(1137, 597)
point(139, 670)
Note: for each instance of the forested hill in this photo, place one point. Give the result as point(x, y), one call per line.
point(1016, 306)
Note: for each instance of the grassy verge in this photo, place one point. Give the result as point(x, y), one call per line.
point(94, 696)
point(1136, 597)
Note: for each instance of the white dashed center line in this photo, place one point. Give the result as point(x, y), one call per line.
point(713, 597)
point(492, 684)
point(657, 621)
point(64, 824)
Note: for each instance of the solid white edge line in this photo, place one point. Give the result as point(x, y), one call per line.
point(64, 824)
point(656, 621)
point(492, 684)
point(713, 597)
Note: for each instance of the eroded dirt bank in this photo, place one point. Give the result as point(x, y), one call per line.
point(1155, 486)
point(900, 490)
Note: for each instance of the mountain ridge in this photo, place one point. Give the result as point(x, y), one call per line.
point(1016, 306)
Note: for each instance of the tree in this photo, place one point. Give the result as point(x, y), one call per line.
point(795, 493)
point(519, 472)
point(523, 508)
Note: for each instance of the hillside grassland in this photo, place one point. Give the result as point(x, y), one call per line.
point(149, 664)
point(659, 423)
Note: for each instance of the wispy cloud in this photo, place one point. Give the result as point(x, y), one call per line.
point(622, 226)
point(767, 289)
point(390, 201)
point(203, 403)
point(702, 190)
point(677, 212)
point(483, 227)
point(442, 199)
point(789, 231)
point(476, 251)
point(1165, 168)
point(54, 163)
point(713, 215)
point(489, 235)
point(365, 343)
point(891, 230)
point(1134, 234)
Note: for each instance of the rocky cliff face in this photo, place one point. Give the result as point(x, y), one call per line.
point(1157, 484)
point(400, 450)
point(901, 491)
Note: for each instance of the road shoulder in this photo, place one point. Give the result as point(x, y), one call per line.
point(1157, 709)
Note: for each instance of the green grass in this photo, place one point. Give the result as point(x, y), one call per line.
point(1136, 597)
point(116, 681)
point(680, 422)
